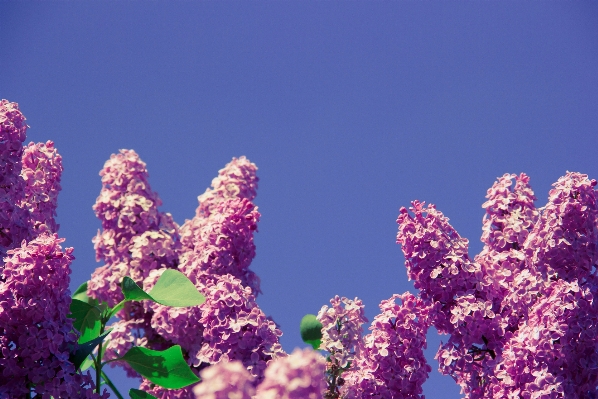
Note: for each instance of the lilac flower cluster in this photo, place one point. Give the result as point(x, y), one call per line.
point(36, 336)
point(341, 328)
point(214, 250)
point(13, 220)
point(521, 317)
point(297, 376)
point(42, 168)
point(390, 362)
point(136, 238)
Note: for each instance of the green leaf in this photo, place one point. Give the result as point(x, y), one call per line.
point(132, 291)
point(311, 330)
point(85, 350)
point(87, 363)
point(166, 368)
point(86, 319)
point(173, 288)
point(81, 294)
point(137, 394)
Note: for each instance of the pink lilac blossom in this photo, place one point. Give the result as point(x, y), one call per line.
point(42, 168)
point(564, 242)
point(235, 328)
point(391, 362)
point(534, 282)
point(341, 328)
point(225, 380)
point(35, 333)
point(298, 376)
point(135, 238)
point(223, 244)
point(237, 179)
point(554, 354)
point(14, 223)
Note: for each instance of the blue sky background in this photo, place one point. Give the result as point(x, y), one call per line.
point(349, 109)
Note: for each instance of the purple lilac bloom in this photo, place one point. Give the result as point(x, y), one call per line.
point(564, 242)
point(223, 244)
point(225, 380)
point(341, 328)
point(297, 376)
point(42, 168)
point(235, 328)
point(554, 354)
point(35, 333)
point(391, 362)
point(14, 223)
point(135, 238)
point(524, 322)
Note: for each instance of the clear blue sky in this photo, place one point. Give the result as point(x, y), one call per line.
point(349, 109)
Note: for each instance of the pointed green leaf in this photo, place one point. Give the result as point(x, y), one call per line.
point(132, 291)
point(173, 288)
point(85, 350)
point(311, 330)
point(81, 294)
point(87, 363)
point(137, 394)
point(86, 319)
point(167, 368)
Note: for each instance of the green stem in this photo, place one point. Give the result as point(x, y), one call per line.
point(98, 361)
point(111, 385)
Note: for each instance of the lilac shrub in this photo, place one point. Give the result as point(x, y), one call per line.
point(519, 317)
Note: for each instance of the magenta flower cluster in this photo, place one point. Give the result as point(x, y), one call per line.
point(521, 316)
point(214, 250)
point(36, 336)
point(390, 361)
point(341, 329)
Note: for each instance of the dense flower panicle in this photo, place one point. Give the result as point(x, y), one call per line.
point(564, 242)
point(235, 328)
point(13, 220)
point(301, 375)
point(126, 207)
point(554, 354)
point(223, 244)
point(342, 328)
point(437, 259)
point(35, 332)
point(225, 380)
point(391, 362)
point(136, 237)
point(237, 180)
point(510, 213)
point(529, 326)
point(42, 168)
